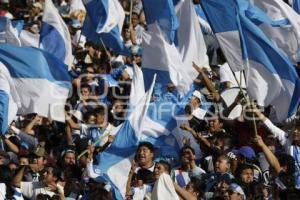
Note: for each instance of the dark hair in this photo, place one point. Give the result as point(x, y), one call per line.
point(185, 148)
point(197, 185)
point(166, 165)
point(42, 197)
point(100, 110)
point(241, 168)
point(287, 161)
point(57, 172)
point(5, 177)
point(146, 144)
point(72, 186)
point(145, 175)
point(100, 193)
point(85, 85)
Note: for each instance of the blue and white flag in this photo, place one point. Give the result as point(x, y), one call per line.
point(115, 161)
point(163, 13)
point(286, 38)
point(9, 99)
point(296, 6)
point(162, 58)
point(205, 27)
point(40, 79)
point(271, 77)
point(104, 21)
point(54, 35)
point(29, 39)
point(190, 42)
point(8, 33)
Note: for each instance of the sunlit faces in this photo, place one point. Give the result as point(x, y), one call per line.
point(144, 156)
point(158, 170)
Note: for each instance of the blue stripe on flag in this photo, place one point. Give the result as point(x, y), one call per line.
point(162, 12)
point(296, 6)
point(4, 101)
point(52, 41)
point(28, 62)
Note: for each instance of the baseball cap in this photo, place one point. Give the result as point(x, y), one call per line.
point(236, 189)
point(40, 152)
point(37, 5)
point(197, 94)
point(77, 114)
point(247, 152)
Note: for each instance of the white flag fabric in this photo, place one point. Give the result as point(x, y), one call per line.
point(29, 39)
point(286, 38)
point(163, 58)
point(191, 43)
point(8, 34)
point(164, 189)
point(55, 36)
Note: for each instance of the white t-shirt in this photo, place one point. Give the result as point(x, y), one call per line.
point(140, 192)
point(32, 189)
point(17, 194)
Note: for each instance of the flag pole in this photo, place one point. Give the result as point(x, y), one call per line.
point(130, 12)
point(106, 51)
point(77, 45)
point(94, 144)
point(251, 103)
point(243, 93)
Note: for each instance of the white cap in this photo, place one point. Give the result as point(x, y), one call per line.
point(197, 94)
point(77, 114)
point(237, 189)
point(38, 5)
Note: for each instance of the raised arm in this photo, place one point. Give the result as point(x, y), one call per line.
point(271, 158)
point(208, 83)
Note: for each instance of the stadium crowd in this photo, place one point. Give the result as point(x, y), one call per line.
point(251, 156)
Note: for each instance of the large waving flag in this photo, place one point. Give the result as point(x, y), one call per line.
point(104, 21)
point(163, 13)
point(271, 77)
point(115, 161)
point(29, 39)
point(41, 81)
point(54, 35)
point(9, 99)
point(172, 59)
point(8, 34)
point(163, 59)
point(287, 38)
point(190, 41)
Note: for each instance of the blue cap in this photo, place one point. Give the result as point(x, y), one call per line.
point(247, 152)
point(75, 23)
